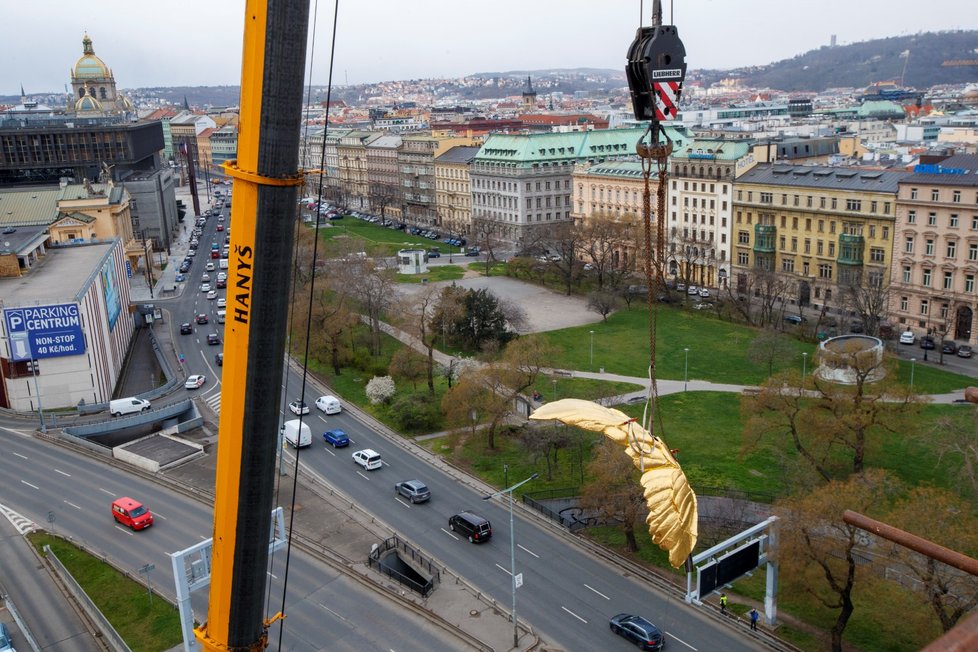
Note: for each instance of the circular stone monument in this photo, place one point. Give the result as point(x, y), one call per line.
point(840, 357)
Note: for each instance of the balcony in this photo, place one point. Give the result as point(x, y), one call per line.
point(851, 249)
point(764, 238)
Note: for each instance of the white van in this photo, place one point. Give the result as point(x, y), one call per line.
point(129, 405)
point(221, 316)
point(222, 263)
point(297, 434)
point(329, 404)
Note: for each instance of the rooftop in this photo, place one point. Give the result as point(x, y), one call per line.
point(63, 276)
point(823, 177)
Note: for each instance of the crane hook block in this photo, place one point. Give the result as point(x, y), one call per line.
point(656, 69)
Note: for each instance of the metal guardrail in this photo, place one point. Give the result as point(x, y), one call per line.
point(395, 543)
point(137, 419)
point(109, 635)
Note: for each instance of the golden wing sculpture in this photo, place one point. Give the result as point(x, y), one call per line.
point(672, 518)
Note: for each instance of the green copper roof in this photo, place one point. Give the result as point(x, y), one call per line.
point(559, 147)
point(882, 108)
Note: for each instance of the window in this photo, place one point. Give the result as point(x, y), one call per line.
point(794, 244)
point(886, 233)
point(904, 304)
point(952, 248)
point(804, 269)
point(743, 237)
point(832, 250)
point(794, 223)
point(944, 310)
point(886, 208)
point(783, 242)
point(784, 222)
point(926, 278)
point(832, 226)
point(913, 193)
point(809, 201)
point(911, 217)
point(929, 247)
point(974, 222)
point(808, 224)
point(956, 197)
point(872, 206)
point(835, 203)
point(935, 194)
point(766, 197)
point(876, 279)
point(854, 205)
point(877, 254)
point(952, 221)
point(825, 271)
point(973, 252)
point(906, 273)
point(795, 200)
point(924, 306)
point(788, 265)
point(872, 230)
point(808, 246)
point(908, 247)
point(819, 248)
point(948, 280)
point(931, 219)
point(821, 226)
point(969, 283)
point(743, 259)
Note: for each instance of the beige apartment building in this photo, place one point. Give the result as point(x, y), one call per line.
point(351, 152)
point(823, 228)
point(935, 259)
point(453, 194)
point(382, 175)
point(612, 191)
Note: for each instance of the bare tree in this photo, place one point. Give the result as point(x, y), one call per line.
point(770, 347)
point(603, 302)
point(370, 284)
point(958, 444)
point(562, 243)
point(486, 234)
point(869, 300)
point(415, 316)
point(604, 242)
point(759, 296)
point(382, 196)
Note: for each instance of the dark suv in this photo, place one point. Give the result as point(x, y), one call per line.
point(472, 526)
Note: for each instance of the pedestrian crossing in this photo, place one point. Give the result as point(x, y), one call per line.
point(21, 523)
point(214, 402)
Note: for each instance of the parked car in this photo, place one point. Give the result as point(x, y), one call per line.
point(180, 278)
point(202, 318)
point(212, 338)
point(337, 438)
point(638, 630)
point(434, 253)
point(414, 490)
point(964, 351)
point(705, 293)
point(927, 342)
point(299, 407)
point(195, 382)
point(948, 347)
point(367, 458)
point(907, 337)
point(692, 290)
point(794, 320)
point(186, 328)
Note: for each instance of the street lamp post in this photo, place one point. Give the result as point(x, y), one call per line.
point(913, 364)
point(554, 381)
point(804, 363)
point(686, 369)
point(591, 362)
point(512, 549)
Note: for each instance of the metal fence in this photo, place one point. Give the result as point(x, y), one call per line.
point(405, 549)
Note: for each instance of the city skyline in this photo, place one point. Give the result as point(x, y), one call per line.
point(436, 39)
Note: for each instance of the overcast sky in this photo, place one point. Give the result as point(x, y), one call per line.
point(184, 43)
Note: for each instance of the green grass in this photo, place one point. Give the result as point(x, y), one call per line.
point(434, 274)
point(144, 625)
point(378, 238)
point(576, 387)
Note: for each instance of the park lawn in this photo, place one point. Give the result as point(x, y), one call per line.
point(144, 625)
point(376, 238)
point(557, 387)
point(435, 273)
point(717, 350)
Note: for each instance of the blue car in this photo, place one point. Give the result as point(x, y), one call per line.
point(337, 438)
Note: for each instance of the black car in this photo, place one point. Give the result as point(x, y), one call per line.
point(948, 347)
point(927, 342)
point(638, 630)
point(212, 338)
point(219, 359)
point(201, 318)
point(186, 329)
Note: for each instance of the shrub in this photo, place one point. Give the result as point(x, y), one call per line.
point(380, 389)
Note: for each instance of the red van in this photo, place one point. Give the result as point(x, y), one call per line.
point(131, 513)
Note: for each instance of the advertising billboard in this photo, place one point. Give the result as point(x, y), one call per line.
point(110, 288)
point(44, 331)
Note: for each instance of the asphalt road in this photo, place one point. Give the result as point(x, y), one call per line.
point(327, 610)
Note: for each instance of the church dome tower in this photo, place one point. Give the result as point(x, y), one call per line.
point(93, 86)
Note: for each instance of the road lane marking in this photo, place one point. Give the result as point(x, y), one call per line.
point(67, 475)
point(334, 613)
point(24, 457)
point(33, 486)
point(504, 570)
point(451, 534)
point(123, 530)
point(398, 499)
point(673, 637)
point(529, 551)
point(158, 515)
point(574, 614)
point(362, 476)
point(326, 448)
point(73, 505)
point(597, 591)
point(271, 575)
point(106, 491)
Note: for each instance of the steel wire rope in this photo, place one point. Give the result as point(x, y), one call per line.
point(312, 288)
